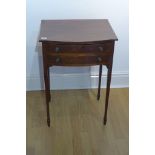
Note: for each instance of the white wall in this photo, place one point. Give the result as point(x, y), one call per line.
point(65, 78)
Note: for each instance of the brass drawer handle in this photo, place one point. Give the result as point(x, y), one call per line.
point(100, 48)
point(99, 59)
point(57, 49)
point(58, 60)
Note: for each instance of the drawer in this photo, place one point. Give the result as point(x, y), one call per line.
point(79, 60)
point(79, 48)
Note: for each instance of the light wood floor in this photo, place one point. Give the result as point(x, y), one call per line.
point(76, 123)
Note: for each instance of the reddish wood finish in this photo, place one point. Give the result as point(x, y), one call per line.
point(78, 60)
point(83, 30)
point(79, 47)
point(77, 43)
point(107, 92)
point(99, 82)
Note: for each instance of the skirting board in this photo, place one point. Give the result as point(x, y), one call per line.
point(77, 81)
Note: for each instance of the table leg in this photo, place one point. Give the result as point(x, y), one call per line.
point(99, 82)
point(107, 92)
point(47, 92)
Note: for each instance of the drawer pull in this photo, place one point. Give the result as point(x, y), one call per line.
point(57, 60)
point(57, 49)
point(99, 59)
point(100, 48)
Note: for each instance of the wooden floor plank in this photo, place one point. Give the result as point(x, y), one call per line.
point(76, 123)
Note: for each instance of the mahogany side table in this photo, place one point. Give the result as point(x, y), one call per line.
point(82, 42)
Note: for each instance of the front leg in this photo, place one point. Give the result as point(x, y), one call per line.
point(47, 92)
point(99, 82)
point(107, 92)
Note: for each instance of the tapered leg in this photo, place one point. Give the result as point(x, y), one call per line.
point(47, 92)
point(107, 92)
point(99, 82)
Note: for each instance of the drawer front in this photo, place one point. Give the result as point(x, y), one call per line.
point(78, 60)
point(80, 48)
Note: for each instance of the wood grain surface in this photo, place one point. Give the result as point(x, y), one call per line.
point(77, 30)
point(76, 123)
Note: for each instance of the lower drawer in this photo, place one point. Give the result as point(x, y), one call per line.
point(78, 60)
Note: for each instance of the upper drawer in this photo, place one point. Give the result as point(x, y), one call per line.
point(80, 48)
